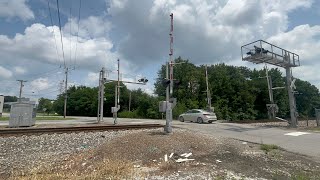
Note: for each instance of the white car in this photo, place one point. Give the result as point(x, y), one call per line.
point(198, 115)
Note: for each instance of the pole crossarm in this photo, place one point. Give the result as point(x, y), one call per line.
point(131, 82)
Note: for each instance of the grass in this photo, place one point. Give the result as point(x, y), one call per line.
point(53, 118)
point(317, 129)
point(4, 118)
point(268, 147)
point(42, 118)
point(107, 169)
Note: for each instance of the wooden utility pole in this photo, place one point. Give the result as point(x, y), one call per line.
point(65, 94)
point(208, 91)
point(101, 95)
point(21, 85)
point(99, 99)
point(130, 101)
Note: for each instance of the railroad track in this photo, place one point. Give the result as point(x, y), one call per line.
point(48, 130)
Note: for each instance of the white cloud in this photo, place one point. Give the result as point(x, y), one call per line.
point(40, 84)
point(212, 31)
point(90, 27)
point(20, 70)
point(5, 73)
point(204, 31)
point(38, 45)
point(35, 50)
point(15, 8)
point(303, 40)
point(92, 79)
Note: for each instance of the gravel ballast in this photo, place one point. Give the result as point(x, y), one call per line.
point(28, 152)
point(80, 155)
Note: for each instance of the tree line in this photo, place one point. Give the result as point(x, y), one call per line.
point(238, 93)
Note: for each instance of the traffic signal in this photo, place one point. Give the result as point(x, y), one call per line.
point(165, 82)
point(177, 82)
point(143, 80)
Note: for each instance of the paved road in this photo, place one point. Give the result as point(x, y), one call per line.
point(306, 144)
point(291, 140)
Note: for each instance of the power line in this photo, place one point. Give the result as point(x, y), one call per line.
point(61, 34)
point(41, 94)
point(43, 73)
point(70, 16)
point(65, 67)
point(75, 53)
point(55, 41)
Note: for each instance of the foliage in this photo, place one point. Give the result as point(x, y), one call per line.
point(45, 105)
point(128, 114)
point(268, 147)
point(6, 107)
point(83, 101)
point(238, 93)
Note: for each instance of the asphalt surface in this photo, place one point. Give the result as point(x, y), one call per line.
point(288, 139)
point(305, 144)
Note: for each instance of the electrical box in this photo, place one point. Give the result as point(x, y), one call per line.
point(115, 109)
point(162, 106)
point(21, 115)
point(173, 102)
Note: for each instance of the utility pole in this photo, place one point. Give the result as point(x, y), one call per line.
point(99, 99)
point(116, 107)
point(169, 90)
point(117, 96)
point(208, 92)
point(292, 103)
point(65, 94)
point(130, 101)
point(101, 94)
point(269, 81)
point(21, 85)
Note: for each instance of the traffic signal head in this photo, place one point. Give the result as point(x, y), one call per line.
point(165, 82)
point(177, 82)
point(143, 80)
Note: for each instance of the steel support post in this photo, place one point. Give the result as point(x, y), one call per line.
point(168, 128)
point(292, 103)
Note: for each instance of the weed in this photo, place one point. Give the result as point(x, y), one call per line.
point(268, 147)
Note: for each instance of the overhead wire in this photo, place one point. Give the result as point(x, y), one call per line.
point(55, 41)
point(70, 17)
point(61, 34)
point(75, 53)
point(34, 76)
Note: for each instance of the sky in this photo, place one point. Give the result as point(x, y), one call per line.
point(137, 33)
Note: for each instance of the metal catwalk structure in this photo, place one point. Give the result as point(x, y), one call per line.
point(263, 52)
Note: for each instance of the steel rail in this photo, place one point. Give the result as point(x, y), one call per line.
point(47, 130)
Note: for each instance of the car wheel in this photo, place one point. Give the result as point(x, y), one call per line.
point(181, 119)
point(210, 122)
point(200, 120)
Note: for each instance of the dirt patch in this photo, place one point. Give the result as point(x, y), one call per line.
point(141, 155)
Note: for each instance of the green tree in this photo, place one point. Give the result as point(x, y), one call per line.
point(307, 98)
point(45, 105)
